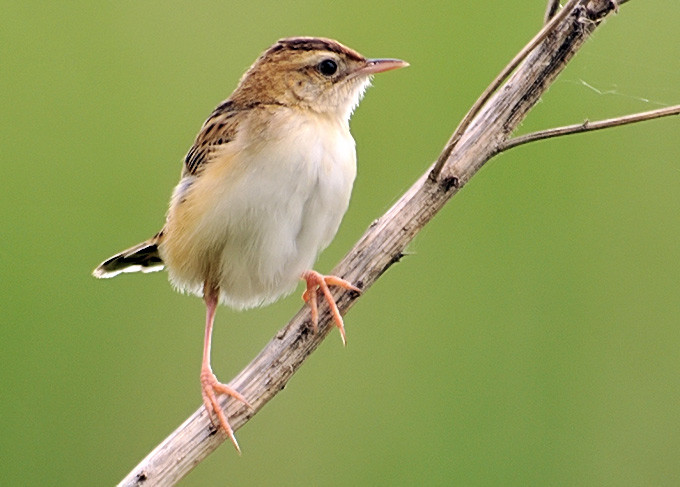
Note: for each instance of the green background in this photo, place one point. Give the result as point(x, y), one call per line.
point(531, 337)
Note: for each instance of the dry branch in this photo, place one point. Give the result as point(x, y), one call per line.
point(485, 132)
point(589, 126)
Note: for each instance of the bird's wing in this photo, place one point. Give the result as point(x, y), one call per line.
point(219, 129)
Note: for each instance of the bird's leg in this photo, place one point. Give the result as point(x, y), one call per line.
point(316, 280)
point(210, 386)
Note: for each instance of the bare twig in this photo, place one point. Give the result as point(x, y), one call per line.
point(588, 126)
point(491, 89)
point(551, 10)
point(483, 133)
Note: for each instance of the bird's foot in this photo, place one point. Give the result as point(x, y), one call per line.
point(210, 388)
point(319, 281)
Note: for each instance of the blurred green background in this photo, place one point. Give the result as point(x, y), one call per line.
point(530, 339)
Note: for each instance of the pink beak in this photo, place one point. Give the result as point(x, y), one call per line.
point(379, 65)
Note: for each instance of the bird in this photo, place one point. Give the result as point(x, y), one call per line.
point(262, 191)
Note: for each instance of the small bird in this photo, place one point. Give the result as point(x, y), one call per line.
point(263, 190)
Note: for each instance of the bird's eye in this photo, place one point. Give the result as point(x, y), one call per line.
point(327, 67)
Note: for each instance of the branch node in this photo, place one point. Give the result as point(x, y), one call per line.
point(449, 182)
point(598, 9)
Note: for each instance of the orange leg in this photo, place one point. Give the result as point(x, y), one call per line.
point(316, 280)
point(210, 386)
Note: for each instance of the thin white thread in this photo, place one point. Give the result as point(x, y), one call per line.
point(616, 92)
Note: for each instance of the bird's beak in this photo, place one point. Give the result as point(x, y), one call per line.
point(373, 66)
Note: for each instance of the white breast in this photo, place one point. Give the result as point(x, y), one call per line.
point(275, 209)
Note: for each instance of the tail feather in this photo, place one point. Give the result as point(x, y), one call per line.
point(143, 257)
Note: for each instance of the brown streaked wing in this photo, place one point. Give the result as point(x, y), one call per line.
point(219, 129)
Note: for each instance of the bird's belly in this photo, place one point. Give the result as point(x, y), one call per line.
point(259, 227)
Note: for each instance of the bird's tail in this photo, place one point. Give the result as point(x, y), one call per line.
point(142, 257)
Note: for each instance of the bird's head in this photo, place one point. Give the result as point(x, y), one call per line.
point(311, 73)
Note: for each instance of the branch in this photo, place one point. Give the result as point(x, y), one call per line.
point(550, 10)
point(588, 126)
point(484, 131)
point(496, 83)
